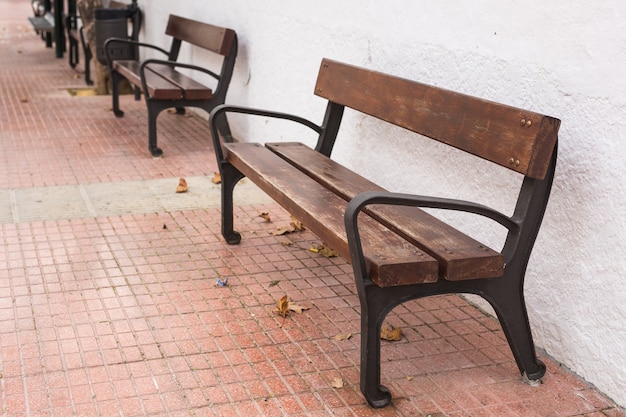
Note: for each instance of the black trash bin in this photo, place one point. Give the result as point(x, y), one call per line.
point(113, 23)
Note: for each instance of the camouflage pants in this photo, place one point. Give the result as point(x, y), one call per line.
point(102, 77)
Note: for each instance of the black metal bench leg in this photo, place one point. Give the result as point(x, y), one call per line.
point(374, 309)
point(73, 56)
point(508, 302)
point(153, 113)
point(115, 93)
point(88, 55)
point(230, 178)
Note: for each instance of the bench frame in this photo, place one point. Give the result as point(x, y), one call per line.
point(449, 117)
point(219, 40)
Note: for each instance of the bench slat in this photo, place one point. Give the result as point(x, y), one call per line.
point(204, 35)
point(390, 259)
point(157, 86)
point(460, 256)
point(164, 82)
point(192, 89)
point(514, 138)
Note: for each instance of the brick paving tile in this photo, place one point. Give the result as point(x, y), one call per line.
point(118, 313)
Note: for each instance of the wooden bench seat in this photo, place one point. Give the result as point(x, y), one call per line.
point(460, 256)
point(398, 251)
point(166, 83)
point(389, 257)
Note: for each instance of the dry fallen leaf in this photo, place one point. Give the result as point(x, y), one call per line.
point(294, 226)
point(324, 250)
point(391, 333)
point(337, 383)
point(344, 336)
point(217, 178)
point(265, 216)
point(283, 306)
point(297, 224)
point(282, 231)
point(410, 378)
point(182, 186)
point(296, 307)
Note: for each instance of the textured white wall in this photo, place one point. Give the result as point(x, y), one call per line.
point(564, 58)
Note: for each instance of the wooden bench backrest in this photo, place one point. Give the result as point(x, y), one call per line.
point(514, 138)
point(204, 35)
point(117, 5)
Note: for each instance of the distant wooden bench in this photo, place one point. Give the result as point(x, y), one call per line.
point(44, 26)
point(48, 23)
point(399, 252)
point(164, 86)
point(43, 23)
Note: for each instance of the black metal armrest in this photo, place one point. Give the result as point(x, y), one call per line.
point(111, 41)
point(358, 204)
point(220, 111)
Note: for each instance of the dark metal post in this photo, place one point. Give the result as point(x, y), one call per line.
point(59, 36)
point(47, 5)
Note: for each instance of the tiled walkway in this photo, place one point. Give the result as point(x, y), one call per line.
point(108, 297)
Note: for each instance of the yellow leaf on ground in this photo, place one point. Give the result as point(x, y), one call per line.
point(182, 186)
point(344, 336)
point(217, 178)
point(265, 216)
point(391, 333)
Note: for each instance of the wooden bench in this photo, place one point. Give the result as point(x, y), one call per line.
point(164, 86)
point(48, 22)
point(44, 25)
point(399, 252)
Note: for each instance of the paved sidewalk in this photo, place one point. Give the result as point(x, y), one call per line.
point(108, 297)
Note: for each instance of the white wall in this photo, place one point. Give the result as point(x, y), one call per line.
point(564, 58)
